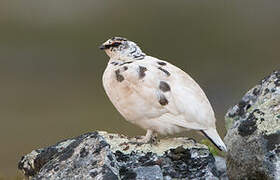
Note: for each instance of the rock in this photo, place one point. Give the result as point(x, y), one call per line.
point(221, 167)
point(100, 155)
point(71, 158)
point(253, 137)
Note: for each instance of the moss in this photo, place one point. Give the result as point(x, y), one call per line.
point(213, 150)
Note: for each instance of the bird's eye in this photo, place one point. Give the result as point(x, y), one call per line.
point(116, 44)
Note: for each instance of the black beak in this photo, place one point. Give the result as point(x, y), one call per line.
point(102, 47)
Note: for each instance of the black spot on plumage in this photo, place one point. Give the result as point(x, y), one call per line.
point(164, 86)
point(139, 57)
point(114, 63)
point(125, 68)
point(119, 77)
point(165, 71)
point(161, 63)
point(142, 71)
point(128, 62)
point(162, 100)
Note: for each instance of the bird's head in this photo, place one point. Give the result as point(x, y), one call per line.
point(121, 48)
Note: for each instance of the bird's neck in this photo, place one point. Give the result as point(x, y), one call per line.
point(132, 53)
point(135, 52)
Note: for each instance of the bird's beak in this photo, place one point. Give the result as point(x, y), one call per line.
point(102, 47)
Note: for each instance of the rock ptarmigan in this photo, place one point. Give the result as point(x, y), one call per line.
point(154, 94)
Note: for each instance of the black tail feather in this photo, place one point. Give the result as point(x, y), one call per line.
point(210, 140)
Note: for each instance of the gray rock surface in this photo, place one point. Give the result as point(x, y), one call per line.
point(253, 137)
point(221, 167)
point(104, 156)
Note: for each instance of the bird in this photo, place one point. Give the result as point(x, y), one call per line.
point(155, 94)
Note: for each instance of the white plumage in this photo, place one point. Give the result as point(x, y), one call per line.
point(155, 94)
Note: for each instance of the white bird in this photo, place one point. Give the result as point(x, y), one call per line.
point(154, 94)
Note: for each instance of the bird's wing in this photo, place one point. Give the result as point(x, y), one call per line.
point(175, 95)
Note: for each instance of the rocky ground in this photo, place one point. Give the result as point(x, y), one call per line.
point(100, 155)
point(253, 142)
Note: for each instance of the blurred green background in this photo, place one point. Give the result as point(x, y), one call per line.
point(51, 68)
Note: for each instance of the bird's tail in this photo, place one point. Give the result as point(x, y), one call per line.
point(214, 137)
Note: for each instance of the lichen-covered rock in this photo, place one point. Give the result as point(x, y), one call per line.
point(101, 155)
point(85, 157)
point(253, 137)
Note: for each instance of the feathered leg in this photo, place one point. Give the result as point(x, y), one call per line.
point(149, 138)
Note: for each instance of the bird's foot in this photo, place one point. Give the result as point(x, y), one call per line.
point(150, 138)
point(140, 140)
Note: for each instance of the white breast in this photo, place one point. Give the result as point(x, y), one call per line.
point(127, 101)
